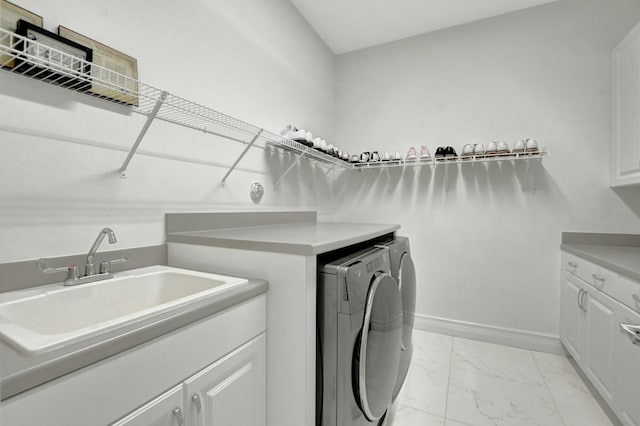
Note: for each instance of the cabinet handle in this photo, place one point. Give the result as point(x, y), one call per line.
point(584, 294)
point(177, 413)
point(579, 298)
point(633, 331)
point(596, 277)
point(196, 400)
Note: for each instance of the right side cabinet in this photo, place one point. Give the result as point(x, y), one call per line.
point(627, 372)
point(600, 315)
point(625, 152)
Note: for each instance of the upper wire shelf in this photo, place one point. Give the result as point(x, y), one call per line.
point(31, 59)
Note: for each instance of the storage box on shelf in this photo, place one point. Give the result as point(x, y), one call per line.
point(595, 303)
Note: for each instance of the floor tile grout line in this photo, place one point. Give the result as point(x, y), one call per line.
point(546, 385)
point(446, 400)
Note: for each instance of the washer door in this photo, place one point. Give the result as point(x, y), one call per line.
point(375, 361)
point(407, 284)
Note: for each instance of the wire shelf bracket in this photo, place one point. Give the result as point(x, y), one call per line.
point(143, 132)
point(242, 154)
point(277, 184)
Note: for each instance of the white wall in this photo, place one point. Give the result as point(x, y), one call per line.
point(486, 238)
point(59, 154)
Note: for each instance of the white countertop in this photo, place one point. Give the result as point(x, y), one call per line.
point(303, 238)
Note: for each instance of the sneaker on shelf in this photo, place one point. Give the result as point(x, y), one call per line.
point(317, 143)
point(397, 156)
point(467, 152)
point(323, 145)
point(386, 156)
point(503, 149)
point(354, 158)
point(298, 135)
point(375, 157)
point(479, 150)
point(492, 149)
point(518, 147)
point(531, 147)
point(365, 157)
point(439, 155)
point(425, 155)
point(412, 155)
point(450, 153)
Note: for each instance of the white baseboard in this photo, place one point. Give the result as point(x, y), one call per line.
point(505, 336)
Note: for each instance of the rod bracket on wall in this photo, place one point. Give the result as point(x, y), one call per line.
point(143, 132)
point(242, 154)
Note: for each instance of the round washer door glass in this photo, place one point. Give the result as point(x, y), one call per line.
point(407, 284)
point(376, 356)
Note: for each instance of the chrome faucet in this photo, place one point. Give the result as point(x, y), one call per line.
point(90, 274)
point(90, 267)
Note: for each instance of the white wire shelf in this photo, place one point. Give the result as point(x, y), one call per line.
point(20, 55)
point(542, 153)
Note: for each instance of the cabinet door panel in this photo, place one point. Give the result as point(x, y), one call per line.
point(626, 141)
point(158, 412)
point(600, 330)
point(573, 317)
point(627, 371)
point(231, 391)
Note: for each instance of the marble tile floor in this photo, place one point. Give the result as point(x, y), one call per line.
point(460, 382)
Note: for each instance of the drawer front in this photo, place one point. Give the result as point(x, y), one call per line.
point(594, 275)
point(626, 291)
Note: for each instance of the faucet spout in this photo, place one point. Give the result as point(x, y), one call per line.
point(90, 267)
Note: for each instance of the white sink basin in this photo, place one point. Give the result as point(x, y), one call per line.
point(54, 316)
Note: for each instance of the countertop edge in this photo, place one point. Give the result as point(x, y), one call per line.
point(25, 380)
point(278, 247)
point(630, 273)
point(288, 248)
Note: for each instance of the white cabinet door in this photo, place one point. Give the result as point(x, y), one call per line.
point(627, 372)
point(600, 324)
point(625, 155)
point(572, 327)
point(230, 392)
point(165, 410)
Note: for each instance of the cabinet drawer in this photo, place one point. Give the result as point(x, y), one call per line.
point(625, 291)
point(594, 275)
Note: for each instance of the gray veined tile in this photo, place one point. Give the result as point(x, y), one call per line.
point(425, 388)
point(449, 422)
point(574, 401)
point(402, 415)
point(495, 360)
point(479, 399)
point(497, 385)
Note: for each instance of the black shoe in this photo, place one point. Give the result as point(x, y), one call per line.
point(439, 155)
point(450, 153)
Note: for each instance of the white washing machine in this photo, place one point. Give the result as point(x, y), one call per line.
point(404, 272)
point(360, 324)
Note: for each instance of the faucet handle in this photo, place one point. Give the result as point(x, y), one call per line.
point(71, 270)
point(43, 266)
point(105, 266)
